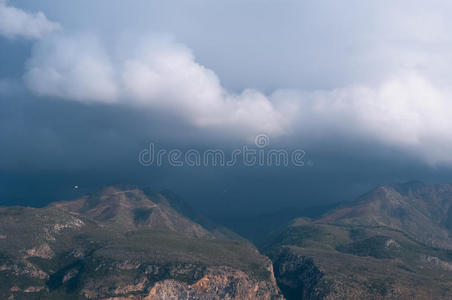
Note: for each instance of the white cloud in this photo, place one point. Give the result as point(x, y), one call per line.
point(72, 68)
point(15, 22)
point(405, 111)
point(155, 75)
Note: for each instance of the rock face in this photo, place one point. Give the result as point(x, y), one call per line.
point(217, 283)
point(214, 283)
point(123, 243)
point(297, 275)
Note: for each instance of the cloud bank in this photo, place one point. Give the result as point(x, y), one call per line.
point(405, 111)
point(15, 22)
point(154, 74)
point(408, 110)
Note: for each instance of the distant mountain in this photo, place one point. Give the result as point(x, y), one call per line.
point(392, 243)
point(125, 243)
point(423, 211)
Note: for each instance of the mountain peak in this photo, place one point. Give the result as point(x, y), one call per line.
point(422, 210)
point(128, 208)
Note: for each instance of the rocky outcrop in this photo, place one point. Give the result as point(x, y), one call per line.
point(25, 269)
point(217, 283)
point(43, 251)
point(297, 276)
point(214, 283)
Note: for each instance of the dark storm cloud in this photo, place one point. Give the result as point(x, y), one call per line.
point(361, 88)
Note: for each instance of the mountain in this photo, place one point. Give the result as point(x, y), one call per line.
point(125, 243)
point(391, 243)
point(420, 210)
point(130, 208)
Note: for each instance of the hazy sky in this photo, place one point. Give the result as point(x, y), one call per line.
point(362, 86)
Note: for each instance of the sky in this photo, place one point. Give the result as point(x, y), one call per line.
point(363, 87)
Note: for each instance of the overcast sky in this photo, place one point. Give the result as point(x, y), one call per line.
point(362, 86)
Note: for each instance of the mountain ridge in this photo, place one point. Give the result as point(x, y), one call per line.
point(391, 243)
point(118, 243)
point(413, 207)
